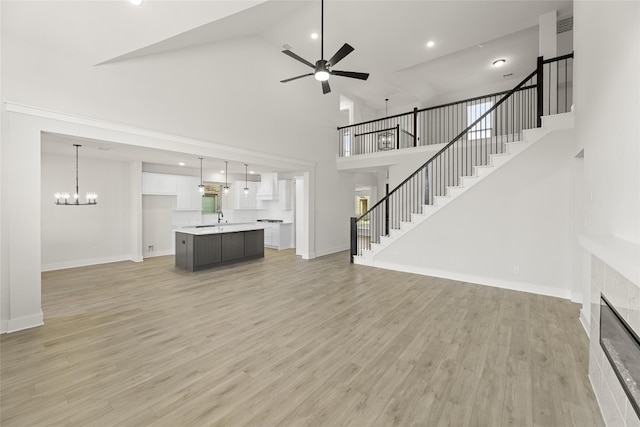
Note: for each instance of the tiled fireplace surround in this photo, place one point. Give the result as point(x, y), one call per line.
point(625, 296)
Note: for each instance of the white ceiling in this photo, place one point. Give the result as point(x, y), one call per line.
point(389, 38)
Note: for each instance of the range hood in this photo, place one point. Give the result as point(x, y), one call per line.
point(268, 189)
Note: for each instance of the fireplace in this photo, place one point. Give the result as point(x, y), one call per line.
point(621, 345)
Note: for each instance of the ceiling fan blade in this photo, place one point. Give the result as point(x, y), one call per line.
point(325, 87)
point(345, 50)
point(296, 77)
point(298, 58)
point(351, 74)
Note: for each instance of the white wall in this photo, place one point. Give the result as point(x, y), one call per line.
point(565, 42)
point(607, 108)
point(157, 221)
point(84, 235)
point(519, 216)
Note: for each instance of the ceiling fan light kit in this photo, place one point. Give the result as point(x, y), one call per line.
point(323, 69)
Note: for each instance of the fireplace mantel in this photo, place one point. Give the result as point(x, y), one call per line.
point(621, 255)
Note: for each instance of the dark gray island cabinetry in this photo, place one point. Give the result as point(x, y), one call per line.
point(198, 249)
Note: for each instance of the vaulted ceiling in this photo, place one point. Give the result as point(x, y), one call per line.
point(389, 37)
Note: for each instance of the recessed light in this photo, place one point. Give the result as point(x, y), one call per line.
point(221, 171)
point(135, 2)
point(314, 35)
point(181, 163)
point(499, 62)
point(251, 172)
point(431, 43)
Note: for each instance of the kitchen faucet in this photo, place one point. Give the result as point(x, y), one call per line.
point(220, 215)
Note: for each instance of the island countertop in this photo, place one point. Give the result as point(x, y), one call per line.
point(223, 227)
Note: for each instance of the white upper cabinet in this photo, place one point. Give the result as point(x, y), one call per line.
point(188, 192)
point(242, 200)
point(158, 183)
point(285, 188)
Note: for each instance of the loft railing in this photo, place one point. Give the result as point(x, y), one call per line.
point(440, 124)
point(495, 120)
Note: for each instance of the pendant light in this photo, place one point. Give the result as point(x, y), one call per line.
point(246, 179)
point(226, 174)
point(201, 186)
point(385, 139)
point(63, 198)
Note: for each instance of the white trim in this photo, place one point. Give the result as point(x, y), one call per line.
point(85, 262)
point(158, 253)
point(584, 321)
point(4, 326)
point(25, 322)
point(478, 280)
point(197, 144)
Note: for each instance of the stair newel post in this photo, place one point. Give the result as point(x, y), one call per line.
point(354, 238)
point(398, 136)
point(415, 126)
point(386, 210)
point(540, 90)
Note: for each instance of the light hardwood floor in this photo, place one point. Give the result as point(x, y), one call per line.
point(282, 341)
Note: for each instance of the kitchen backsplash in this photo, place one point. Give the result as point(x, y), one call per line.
point(271, 211)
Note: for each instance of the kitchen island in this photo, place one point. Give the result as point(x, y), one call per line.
point(203, 247)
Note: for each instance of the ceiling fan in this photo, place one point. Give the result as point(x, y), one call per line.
point(323, 68)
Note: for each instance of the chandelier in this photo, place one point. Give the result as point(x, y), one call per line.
point(63, 198)
point(386, 139)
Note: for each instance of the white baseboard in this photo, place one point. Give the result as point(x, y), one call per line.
point(158, 253)
point(585, 322)
point(333, 250)
point(4, 326)
point(486, 281)
point(84, 262)
point(137, 258)
point(25, 322)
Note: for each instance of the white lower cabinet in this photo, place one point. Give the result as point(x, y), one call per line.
point(278, 236)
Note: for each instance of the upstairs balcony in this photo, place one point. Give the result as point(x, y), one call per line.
point(550, 92)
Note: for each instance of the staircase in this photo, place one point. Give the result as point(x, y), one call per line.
point(503, 128)
point(441, 203)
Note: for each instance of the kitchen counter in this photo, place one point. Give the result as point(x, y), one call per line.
point(198, 248)
point(223, 227)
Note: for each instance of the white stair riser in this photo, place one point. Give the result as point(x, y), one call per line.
point(499, 159)
point(516, 147)
point(455, 191)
